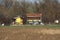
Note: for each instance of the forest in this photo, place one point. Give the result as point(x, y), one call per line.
point(50, 10)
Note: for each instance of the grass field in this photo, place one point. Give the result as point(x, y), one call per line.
point(33, 26)
point(30, 32)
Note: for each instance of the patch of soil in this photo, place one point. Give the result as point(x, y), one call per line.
point(29, 34)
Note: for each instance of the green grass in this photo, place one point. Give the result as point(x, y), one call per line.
point(32, 26)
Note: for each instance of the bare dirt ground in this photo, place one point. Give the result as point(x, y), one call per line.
point(29, 34)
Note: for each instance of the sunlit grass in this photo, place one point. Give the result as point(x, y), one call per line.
point(32, 26)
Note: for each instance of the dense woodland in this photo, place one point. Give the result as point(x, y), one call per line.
point(50, 10)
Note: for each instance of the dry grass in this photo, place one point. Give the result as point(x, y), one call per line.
point(29, 34)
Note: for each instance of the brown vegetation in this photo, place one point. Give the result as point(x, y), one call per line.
point(29, 34)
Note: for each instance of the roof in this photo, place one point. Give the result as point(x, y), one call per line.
point(33, 15)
